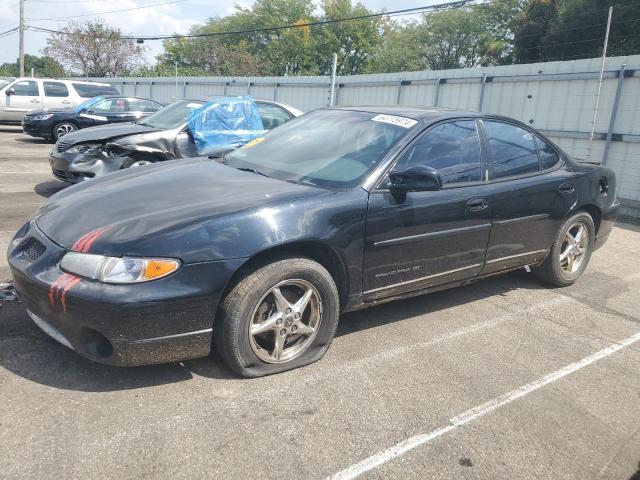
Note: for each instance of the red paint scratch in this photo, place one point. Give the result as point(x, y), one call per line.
point(66, 288)
point(83, 244)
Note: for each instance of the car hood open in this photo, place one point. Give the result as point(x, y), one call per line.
point(159, 201)
point(107, 132)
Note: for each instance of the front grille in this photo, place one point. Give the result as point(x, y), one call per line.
point(60, 174)
point(61, 146)
point(31, 250)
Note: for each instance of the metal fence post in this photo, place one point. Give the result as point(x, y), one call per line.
point(436, 94)
point(224, 90)
point(151, 90)
point(249, 87)
point(614, 113)
point(275, 91)
point(135, 88)
point(184, 89)
point(484, 82)
point(399, 91)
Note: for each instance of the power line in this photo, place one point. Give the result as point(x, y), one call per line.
point(441, 6)
point(105, 13)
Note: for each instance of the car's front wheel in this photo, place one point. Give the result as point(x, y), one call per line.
point(280, 316)
point(63, 128)
point(570, 251)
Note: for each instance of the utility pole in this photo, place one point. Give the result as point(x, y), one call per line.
point(21, 54)
point(604, 58)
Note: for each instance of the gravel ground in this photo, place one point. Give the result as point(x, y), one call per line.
point(546, 381)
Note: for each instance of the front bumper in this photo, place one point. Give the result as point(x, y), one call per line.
point(78, 167)
point(41, 129)
point(166, 320)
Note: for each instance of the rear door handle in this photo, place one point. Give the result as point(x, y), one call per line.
point(477, 204)
point(566, 188)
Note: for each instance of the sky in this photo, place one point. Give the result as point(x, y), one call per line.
point(160, 19)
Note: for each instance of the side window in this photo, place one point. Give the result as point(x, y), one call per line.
point(513, 150)
point(55, 89)
point(87, 90)
point(111, 105)
point(138, 105)
point(548, 156)
point(272, 115)
point(26, 88)
point(451, 148)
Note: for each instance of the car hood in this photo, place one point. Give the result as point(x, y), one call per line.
point(173, 203)
point(106, 132)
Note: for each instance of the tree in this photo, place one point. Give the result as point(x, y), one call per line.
point(94, 49)
point(42, 67)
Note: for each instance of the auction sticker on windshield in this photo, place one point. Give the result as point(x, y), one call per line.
point(395, 120)
point(254, 142)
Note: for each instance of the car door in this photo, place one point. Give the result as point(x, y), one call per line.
point(25, 95)
point(421, 239)
point(530, 195)
point(110, 110)
point(56, 95)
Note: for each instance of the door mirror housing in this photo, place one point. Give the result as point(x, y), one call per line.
point(10, 91)
point(415, 179)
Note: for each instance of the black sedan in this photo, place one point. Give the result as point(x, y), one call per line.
point(257, 254)
point(162, 136)
point(102, 110)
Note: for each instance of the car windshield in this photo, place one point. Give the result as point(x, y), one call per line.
point(87, 104)
point(4, 83)
point(172, 116)
point(326, 148)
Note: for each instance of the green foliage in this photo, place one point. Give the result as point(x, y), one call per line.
point(42, 67)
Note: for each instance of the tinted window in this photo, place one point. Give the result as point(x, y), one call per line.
point(548, 156)
point(111, 105)
point(87, 90)
point(55, 89)
point(138, 105)
point(513, 150)
point(451, 148)
point(27, 88)
point(272, 116)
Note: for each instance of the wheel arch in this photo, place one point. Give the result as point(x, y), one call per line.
point(315, 250)
point(593, 210)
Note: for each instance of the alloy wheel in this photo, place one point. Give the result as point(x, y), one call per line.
point(574, 247)
point(64, 128)
point(285, 321)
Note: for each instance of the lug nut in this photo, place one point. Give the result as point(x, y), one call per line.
point(296, 316)
point(294, 328)
point(283, 332)
point(288, 310)
point(279, 321)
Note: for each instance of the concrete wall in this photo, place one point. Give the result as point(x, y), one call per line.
point(558, 98)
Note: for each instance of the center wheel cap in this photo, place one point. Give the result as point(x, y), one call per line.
point(288, 321)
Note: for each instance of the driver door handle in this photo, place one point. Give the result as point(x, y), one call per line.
point(477, 204)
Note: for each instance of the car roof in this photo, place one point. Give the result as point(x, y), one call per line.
point(416, 113)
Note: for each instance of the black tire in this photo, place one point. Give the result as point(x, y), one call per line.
point(551, 271)
point(69, 126)
point(231, 329)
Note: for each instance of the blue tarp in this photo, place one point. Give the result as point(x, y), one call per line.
point(87, 104)
point(227, 122)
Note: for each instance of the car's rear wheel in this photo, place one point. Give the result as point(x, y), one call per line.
point(63, 128)
point(278, 317)
point(570, 252)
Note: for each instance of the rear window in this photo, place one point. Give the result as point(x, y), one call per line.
point(55, 89)
point(88, 90)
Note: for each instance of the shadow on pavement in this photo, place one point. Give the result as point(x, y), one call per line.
point(46, 189)
point(26, 351)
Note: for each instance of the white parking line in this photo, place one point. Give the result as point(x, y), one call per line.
point(476, 412)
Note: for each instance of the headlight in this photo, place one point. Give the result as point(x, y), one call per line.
point(118, 269)
point(42, 116)
point(86, 149)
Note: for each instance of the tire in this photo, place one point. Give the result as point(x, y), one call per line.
point(253, 298)
point(561, 272)
point(61, 129)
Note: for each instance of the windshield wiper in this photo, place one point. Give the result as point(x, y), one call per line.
point(252, 170)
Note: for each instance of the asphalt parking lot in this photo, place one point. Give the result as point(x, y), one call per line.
point(505, 378)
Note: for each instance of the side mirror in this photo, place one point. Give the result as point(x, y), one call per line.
point(90, 112)
point(10, 91)
point(415, 179)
